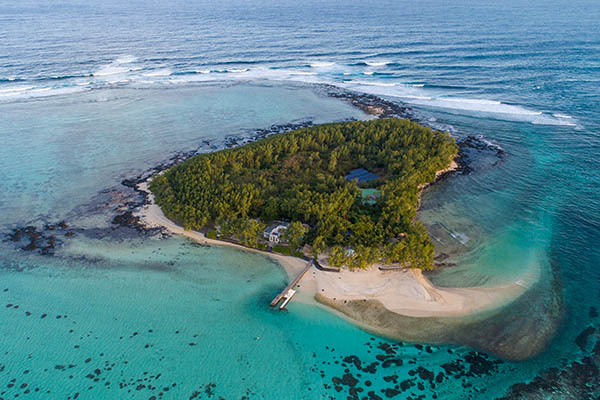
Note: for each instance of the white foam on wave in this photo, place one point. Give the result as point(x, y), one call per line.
point(253, 74)
point(34, 92)
point(411, 93)
point(547, 120)
point(482, 105)
point(376, 63)
point(144, 82)
point(418, 96)
point(489, 143)
point(230, 70)
point(123, 70)
point(562, 116)
point(113, 69)
point(409, 96)
point(263, 73)
point(304, 73)
point(126, 59)
point(158, 72)
point(14, 90)
point(321, 64)
point(56, 91)
point(381, 84)
point(500, 110)
point(200, 77)
point(119, 66)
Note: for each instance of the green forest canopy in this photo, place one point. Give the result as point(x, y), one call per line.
point(299, 176)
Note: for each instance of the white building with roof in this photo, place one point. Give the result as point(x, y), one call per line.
point(274, 232)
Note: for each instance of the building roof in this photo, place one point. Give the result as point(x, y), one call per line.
point(275, 226)
point(362, 175)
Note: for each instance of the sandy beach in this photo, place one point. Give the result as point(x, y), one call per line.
point(403, 292)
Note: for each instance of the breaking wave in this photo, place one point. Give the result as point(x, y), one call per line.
point(158, 72)
point(321, 64)
point(376, 63)
point(121, 65)
point(372, 63)
point(128, 70)
point(33, 92)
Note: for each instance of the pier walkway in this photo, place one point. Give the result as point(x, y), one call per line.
point(289, 292)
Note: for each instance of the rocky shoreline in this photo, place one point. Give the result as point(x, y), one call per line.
point(368, 103)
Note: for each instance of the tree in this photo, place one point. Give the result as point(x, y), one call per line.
point(332, 162)
point(336, 256)
point(294, 233)
point(395, 252)
point(318, 247)
point(250, 231)
point(365, 231)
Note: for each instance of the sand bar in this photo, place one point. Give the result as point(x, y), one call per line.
point(404, 292)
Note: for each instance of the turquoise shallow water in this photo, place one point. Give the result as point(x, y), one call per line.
point(136, 317)
point(107, 285)
point(91, 94)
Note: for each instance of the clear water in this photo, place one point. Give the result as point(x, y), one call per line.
point(92, 93)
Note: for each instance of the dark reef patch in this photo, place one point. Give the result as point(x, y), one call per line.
point(582, 339)
point(43, 240)
point(575, 380)
point(471, 143)
point(419, 378)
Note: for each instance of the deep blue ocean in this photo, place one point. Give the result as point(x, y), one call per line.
point(92, 93)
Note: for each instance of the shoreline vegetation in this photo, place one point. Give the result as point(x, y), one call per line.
point(400, 304)
point(346, 193)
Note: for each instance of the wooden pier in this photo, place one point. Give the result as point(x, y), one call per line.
point(289, 291)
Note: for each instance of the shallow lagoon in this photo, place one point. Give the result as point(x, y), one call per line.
point(148, 314)
point(107, 285)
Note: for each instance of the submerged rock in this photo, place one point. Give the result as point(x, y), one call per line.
point(578, 380)
point(582, 339)
point(31, 238)
point(126, 219)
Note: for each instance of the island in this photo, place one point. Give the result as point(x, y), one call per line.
point(343, 196)
point(346, 193)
